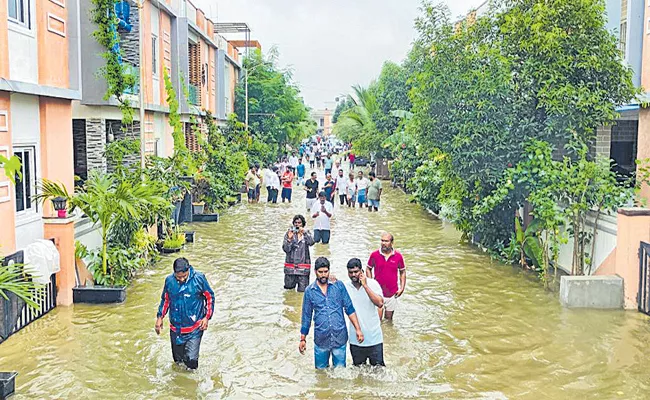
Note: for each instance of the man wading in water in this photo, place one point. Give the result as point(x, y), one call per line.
point(190, 301)
point(297, 263)
point(325, 301)
point(385, 265)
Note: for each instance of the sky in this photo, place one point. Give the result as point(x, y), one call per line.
point(329, 45)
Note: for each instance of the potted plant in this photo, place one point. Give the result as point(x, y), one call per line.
point(106, 201)
point(174, 241)
point(198, 207)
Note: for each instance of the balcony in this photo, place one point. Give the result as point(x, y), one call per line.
point(194, 94)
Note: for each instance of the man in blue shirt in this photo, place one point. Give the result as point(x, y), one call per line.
point(326, 300)
point(188, 298)
point(300, 169)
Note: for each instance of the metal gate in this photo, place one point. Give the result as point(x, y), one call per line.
point(644, 282)
point(14, 313)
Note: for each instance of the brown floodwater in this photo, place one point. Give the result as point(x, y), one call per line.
point(467, 327)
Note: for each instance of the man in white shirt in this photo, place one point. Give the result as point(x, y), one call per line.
point(322, 211)
point(293, 161)
point(342, 187)
point(362, 189)
point(275, 185)
point(267, 178)
point(366, 297)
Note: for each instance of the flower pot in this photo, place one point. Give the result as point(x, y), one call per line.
point(189, 237)
point(205, 218)
point(198, 208)
point(7, 384)
point(99, 294)
point(61, 213)
point(166, 250)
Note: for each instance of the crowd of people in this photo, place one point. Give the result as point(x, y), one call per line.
point(366, 298)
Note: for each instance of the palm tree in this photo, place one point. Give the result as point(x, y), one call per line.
point(357, 125)
point(14, 280)
point(106, 201)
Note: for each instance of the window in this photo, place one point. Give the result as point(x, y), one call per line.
point(154, 57)
point(19, 12)
point(622, 39)
point(322, 122)
point(25, 186)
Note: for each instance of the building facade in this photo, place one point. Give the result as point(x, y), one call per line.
point(323, 120)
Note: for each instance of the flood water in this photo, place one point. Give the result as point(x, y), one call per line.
point(466, 328)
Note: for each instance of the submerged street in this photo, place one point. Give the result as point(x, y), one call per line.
point(467, 327)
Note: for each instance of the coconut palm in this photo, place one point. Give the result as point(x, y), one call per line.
point(357, 125)
point(106, 201)
point(14, 280)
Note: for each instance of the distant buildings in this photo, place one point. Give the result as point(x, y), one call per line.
point(323, 120)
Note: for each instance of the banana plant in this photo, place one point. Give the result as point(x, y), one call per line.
point(528, 244)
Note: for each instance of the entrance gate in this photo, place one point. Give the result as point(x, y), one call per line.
point(644, 282)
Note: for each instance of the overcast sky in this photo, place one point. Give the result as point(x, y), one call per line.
point(330, 45)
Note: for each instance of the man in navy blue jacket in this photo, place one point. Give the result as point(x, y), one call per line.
point(188, 298)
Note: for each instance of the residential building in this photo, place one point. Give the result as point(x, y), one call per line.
point(39, 80)
point(173, 35)
point(323, 120)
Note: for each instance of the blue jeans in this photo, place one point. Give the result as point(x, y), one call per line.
point(188, 351)
point(322, 235)
point(322, 357)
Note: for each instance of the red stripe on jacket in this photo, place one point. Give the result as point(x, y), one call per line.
point(287, 265)
point(188, 329)
point(166, 304)
point(208, 298)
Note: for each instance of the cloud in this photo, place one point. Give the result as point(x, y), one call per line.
point(329, 45)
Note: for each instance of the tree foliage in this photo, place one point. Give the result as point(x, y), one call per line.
point(277, 114)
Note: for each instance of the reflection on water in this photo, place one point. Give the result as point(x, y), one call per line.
point(467, 327)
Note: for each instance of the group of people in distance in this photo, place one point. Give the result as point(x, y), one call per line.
point(363, 299)
point(350, 191)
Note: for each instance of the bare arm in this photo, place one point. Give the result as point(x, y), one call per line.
point(376, 299)
point(369, 272)
point(402, 281)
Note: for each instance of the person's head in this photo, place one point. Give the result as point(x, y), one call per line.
point(372, 176)
point(360, 175)
point(354, 269)
point(322, 269)
point(386, 242)
point(329, 176)
point(299, 221)
point(252, 168)
point(351, 176)
point(275, 169)
point(300, 161)
point(322, 196)
point(340, 172)
point(181, 269)
point(313, 176)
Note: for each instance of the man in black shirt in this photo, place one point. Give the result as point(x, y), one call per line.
point(311, 186)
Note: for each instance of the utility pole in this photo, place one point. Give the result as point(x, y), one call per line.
point(142, 77)
point(246, 89)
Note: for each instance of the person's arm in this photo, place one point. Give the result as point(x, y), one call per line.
point(370, 267)
point(286, 243)
point(402, 282)
point(162, 308)
point(350, 311)
point(380, 190)
point(374, 295)
point(328, 213)
point(208, 293)
point(305, 323)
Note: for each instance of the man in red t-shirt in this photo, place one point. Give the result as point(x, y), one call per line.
point(287, 184)
point(384, 266)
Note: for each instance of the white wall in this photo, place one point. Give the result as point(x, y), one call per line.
point(605, 243)
point(25, 131)
point(23, 51)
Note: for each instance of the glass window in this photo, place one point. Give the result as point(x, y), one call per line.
point(154, 58)
point(18, 12)
point(25, 185)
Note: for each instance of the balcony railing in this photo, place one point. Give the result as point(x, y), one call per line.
point(194, 95)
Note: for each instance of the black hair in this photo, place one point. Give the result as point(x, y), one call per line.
point(181, 264)
point(340, 170)
point(314, 173)
point(354, 263)
point(321, 262)
point(301, 218)
point(322, 194)
point(372, 174)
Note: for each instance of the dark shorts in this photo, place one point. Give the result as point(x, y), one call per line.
point(373, 354)
point(328, 171)
point(291, 281)
point(252, 195)
point(321, 235)
point(188, 352)
point(286, 193)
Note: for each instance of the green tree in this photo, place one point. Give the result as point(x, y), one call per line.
point(277, 114)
